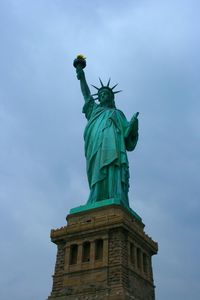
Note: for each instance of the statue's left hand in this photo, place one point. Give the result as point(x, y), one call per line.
point(135, 115)
point(133, 126)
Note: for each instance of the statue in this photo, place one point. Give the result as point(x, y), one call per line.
point(108, 135)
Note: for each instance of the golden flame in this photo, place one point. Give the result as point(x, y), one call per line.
point(81, 56)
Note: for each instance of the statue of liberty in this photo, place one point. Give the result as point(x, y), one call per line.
point(108, 136)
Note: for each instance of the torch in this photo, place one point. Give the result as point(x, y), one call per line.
point(79, 62)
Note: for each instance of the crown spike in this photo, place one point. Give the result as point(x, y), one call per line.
point(108, 82)
point(94, 94)
point(114, 86)
point(95, 87)
point(117, 92)
point(101, 82)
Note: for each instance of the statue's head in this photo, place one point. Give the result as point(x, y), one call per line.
point(105, 94)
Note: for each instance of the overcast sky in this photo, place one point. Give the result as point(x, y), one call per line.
point(151, 48)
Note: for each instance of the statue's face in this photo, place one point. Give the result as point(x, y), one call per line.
point(105, 97)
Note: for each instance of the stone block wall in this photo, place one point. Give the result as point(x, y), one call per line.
point(122, 271)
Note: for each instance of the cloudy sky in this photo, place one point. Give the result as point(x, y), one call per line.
point(151, 48)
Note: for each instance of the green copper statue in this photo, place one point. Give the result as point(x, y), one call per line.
point(108, 135)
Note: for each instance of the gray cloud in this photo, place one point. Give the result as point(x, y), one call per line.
point(152, 49)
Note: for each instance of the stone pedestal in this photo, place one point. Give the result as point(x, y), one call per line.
point(103, 253)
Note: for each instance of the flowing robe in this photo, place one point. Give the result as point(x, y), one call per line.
point(105, 151)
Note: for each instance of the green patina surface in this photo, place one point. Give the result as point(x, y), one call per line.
point(108, 136)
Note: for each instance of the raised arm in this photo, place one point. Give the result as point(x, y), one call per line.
point(83, 83)
point(79, 64)
point(89, 106)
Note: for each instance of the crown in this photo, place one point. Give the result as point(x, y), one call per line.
point(105, 87)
